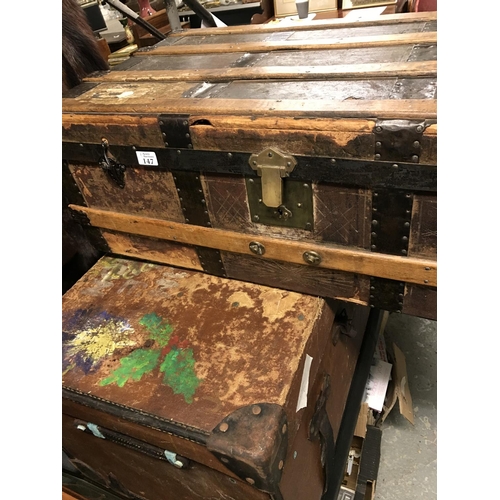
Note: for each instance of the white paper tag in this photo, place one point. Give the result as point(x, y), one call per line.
point(146, 158)
point(304, 384)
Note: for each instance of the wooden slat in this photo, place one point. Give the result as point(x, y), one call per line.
point(420, 271)
point(342, 71)
point(406, 109)
point(254, 47)
point(405, 18)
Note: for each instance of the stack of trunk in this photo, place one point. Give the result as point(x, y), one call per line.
point(263, 195)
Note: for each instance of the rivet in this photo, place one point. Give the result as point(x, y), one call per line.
point(164, 134)
point(375, 194)
point(260, 200)
point(299, 205)
point(249, 480)
point(378, 129)
point(333, 160)
point(398, 311)
point(404, 238)
point(178, 151)
point(256, 409)
point(187, 220)
point(374, 209)
point(377, 156)
point(185, 123)
point(407, 224)
point(81, 145)
point(161, 122)
point(209, 224)
point(414, 159)
point(374, 247)
point(308, 225)
point(256, 218)
point(197, 178)
point(223, 427)
point(187, 136)
point(184, 209)
point(404, 252)
point(180, 199)
point(374, 235)
point(372, 296)
point(205, 212)
point(166, 144)
point(288, 163)
point(416, 144)
point(280, 465)
point(199, 190)
point(374, 222)
point(427, 268)
point(395, 165)
point(401, 296)
point(378, 144)
point(372, 306)
point(306, 185)
point(250, 180)
point(190, 146)
point(372, 288)
point(283, 429)
point(254, 163)
point(294, 454)
point(400, 303)
point(134, 148)
point(420, 128)
point(408, 211)
point(203, 202)
point(224, 459)
point(426, 281)
point(270, 154)
point(229, 155)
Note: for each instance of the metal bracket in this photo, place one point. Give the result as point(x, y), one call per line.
point(115, 170)
point(175, 131)
point(272, 165)
point(252, 443)
point(398, 140)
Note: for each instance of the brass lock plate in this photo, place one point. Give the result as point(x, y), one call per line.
point(295, 211)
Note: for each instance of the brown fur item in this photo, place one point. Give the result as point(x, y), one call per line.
point(80, 51)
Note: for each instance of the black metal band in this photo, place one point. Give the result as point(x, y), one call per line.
point(387, 294)
point(342, 171)
point(194, 207)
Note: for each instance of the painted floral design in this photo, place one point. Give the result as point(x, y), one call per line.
point(164, 351)
point(94, 339)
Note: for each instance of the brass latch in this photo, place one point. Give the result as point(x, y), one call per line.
point(272, 166)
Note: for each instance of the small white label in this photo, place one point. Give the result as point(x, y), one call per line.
point(304, 384)
point(146, 158)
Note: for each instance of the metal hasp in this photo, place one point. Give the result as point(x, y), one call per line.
point(272, 166)
point(252, 443)
point(115, 170)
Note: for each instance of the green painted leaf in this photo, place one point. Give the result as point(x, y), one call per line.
point(133, 367)
point(159, 329)
point(179, 374)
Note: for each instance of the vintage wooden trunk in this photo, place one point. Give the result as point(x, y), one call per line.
point(181, 385)
point(300, 157)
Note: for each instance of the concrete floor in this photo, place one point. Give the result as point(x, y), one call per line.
point(408, 464)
